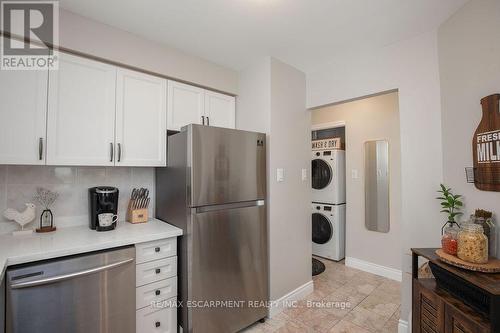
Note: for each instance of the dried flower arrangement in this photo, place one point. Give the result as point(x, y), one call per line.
point(45, 197)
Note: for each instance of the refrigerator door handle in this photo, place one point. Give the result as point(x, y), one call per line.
point(234, 205)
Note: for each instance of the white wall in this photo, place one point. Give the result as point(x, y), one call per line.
point(272, 99)
point(97, 39)
point(469, 58)
point(290, 210)
point(373, 118)
point(412, 67)
point(253, 105)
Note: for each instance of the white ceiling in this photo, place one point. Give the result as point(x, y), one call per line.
point(303, 33)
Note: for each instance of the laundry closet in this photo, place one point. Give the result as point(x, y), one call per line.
point(356, 184)
point(328, 192)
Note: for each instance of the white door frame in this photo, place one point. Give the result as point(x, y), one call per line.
point(333, 124)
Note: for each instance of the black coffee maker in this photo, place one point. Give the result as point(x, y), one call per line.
point(103, 205)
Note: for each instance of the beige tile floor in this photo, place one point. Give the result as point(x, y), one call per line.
point(345, 300)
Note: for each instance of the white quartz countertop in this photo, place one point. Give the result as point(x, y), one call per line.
point(74, 240)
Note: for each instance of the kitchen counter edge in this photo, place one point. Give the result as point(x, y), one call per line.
point(68, 241)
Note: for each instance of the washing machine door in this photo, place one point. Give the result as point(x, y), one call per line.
point(322, 229)
point(321, 174)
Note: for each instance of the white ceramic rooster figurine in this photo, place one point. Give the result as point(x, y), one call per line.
point(22, 218)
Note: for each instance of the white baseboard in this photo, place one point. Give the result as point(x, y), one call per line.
point(390, 273)
point(403, 326)
point(295, 295)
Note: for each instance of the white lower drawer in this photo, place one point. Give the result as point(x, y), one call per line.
point(150, 320)
point(155, 250)
point(155, 271)
point(156, 291)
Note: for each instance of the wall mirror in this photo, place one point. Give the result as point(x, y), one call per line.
point(377, 215)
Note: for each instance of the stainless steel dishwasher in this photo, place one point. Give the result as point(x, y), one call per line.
point(92, 293)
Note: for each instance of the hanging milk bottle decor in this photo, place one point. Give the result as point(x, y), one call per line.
point(486, 146)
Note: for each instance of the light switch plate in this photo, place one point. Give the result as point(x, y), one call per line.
point(280, 175)
point(354, 174)
point(304, 175)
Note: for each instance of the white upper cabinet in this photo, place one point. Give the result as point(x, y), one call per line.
point(92, 113)
point(141, 119)
point(219, 109)
point(192, 105)
point(23, 106)
point(185, 105)
point(81, 113)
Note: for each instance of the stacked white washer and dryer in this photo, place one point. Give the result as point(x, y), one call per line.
point(329, 199)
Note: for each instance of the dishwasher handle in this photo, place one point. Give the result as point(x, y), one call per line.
point(68, 276)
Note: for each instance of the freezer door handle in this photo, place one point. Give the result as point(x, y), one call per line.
point(58, 278)
point(234, 205)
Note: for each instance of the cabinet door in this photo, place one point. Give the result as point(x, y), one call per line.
point(23, 111)
point(220, 109)
point(185, 105)
point(141, 119)
point(81, 115)
point(428, 310)
point(457, 322)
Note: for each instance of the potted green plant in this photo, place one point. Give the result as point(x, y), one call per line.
point(451, 205)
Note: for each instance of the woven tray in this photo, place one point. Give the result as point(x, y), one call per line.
point(492, 266)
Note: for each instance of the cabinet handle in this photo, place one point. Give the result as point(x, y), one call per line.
point(40, 149)
point(157, 324)
point(157, 292)
point(157, 249)
point(203, 120)
point(208, 121)
point(119, 152)
point(111, 152)
point(157, 271)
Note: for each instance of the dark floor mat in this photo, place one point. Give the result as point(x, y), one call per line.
point(317, 267)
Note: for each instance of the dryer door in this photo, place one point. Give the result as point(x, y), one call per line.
point(321, 174)
point(322, 229)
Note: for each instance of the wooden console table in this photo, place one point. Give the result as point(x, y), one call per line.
point(435, 310)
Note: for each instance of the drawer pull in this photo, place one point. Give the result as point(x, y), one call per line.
point(158, 271)
point(157, 249)
point(157, 292)
point(157, 324)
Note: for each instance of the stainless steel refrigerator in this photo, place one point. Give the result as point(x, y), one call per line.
point(214, 188)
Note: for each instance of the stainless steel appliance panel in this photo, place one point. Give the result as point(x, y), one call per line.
point(217, 176)
point(226, 165)
point(88, 293)
point(229, 263)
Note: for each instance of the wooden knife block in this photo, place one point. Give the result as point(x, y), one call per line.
point(140, 215)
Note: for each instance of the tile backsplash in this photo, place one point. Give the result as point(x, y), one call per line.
point(18, 185)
